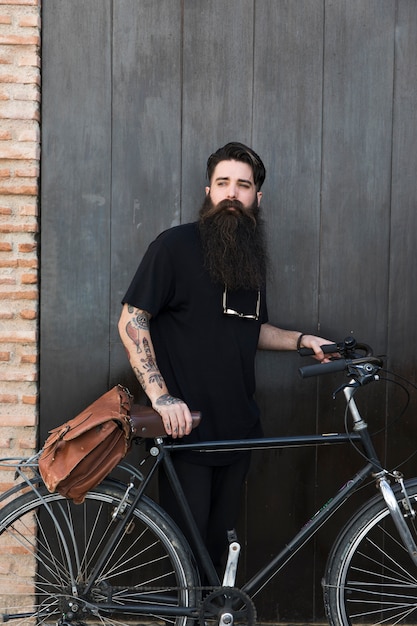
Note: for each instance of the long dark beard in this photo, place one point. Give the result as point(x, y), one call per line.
point(234, 244)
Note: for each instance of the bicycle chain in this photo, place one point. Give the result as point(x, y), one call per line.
point(216, 601)
point(147, 588)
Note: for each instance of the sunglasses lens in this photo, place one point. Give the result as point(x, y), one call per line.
point(233, 312)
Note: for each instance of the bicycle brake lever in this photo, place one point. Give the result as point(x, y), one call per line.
point(362, 373)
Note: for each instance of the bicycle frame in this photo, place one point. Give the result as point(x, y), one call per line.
point(161, 452)
point(128, 557)
point(373, 467)
point(263, 576)
point(162, 456)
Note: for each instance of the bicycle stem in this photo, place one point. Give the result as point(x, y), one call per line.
point(348, 392)
point(361, 427)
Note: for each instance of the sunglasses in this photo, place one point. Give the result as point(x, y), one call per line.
point(228, 311)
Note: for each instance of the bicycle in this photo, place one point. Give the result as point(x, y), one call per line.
point(118, 557)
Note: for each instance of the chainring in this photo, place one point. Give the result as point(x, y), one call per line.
point(234, 605)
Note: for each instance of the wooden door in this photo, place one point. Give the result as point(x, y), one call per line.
point(135, 95)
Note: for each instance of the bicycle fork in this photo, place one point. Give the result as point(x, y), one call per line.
point(382, 481)
point(396, 514)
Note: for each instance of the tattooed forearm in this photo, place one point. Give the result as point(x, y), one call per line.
point(134, 328)
point(141, 320)
point(150, 366)
point(140, 378)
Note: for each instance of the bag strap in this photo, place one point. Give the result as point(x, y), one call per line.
point(113, 405)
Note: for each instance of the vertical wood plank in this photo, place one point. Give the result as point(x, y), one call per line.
point(75, 206)
point(357, 128)
point(287, 125)
point(217, 87)
point(287, 129)
point(354, 245)
point(402, 328)
point(146, 149)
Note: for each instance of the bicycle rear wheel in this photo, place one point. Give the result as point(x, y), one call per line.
point(48, 547)
point(370, 577)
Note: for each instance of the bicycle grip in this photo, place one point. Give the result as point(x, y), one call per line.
point(338, 365)
point(327, 348)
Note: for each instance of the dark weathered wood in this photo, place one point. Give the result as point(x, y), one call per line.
point(217, 88)
point(287, 131)
point(136, 94)
point(356, 174)
point(357, 124)
point(402, 328)
point(75, 201)
point(146, 144)
point(357, 127)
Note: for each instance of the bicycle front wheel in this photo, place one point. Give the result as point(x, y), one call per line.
point(49, 548)
point(370, 577)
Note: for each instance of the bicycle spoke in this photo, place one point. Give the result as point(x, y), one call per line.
point(372, 578)
point(37, 586)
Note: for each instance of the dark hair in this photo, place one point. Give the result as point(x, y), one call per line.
point(235, 151)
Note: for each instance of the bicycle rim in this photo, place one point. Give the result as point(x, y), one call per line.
point(371, 578)
point(45, 565)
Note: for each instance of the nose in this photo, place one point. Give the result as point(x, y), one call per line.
point(232, 192)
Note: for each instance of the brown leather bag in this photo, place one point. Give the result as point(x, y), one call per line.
point(79, 454)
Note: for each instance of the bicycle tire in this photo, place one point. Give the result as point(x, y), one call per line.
point(370, 577)
point(45, 565)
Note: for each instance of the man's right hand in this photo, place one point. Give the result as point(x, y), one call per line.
point(175, 415)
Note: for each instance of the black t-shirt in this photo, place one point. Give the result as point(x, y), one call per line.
point(206, 357)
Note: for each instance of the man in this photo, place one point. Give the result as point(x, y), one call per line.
point(193, 318)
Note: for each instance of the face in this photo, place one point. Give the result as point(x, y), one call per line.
point(233, 180)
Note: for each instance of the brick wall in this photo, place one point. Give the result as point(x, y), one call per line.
point(19, 186)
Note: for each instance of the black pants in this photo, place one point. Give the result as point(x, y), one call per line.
point(214, 494)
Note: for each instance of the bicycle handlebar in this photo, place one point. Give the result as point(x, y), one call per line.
point(328, 348)
point(338, 365)
point(350, 356)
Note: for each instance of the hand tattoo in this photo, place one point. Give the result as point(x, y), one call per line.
point(166, 400)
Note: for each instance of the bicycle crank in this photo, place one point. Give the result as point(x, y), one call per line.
point(227, 606)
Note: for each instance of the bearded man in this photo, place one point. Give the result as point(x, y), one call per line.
point(193, 318)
